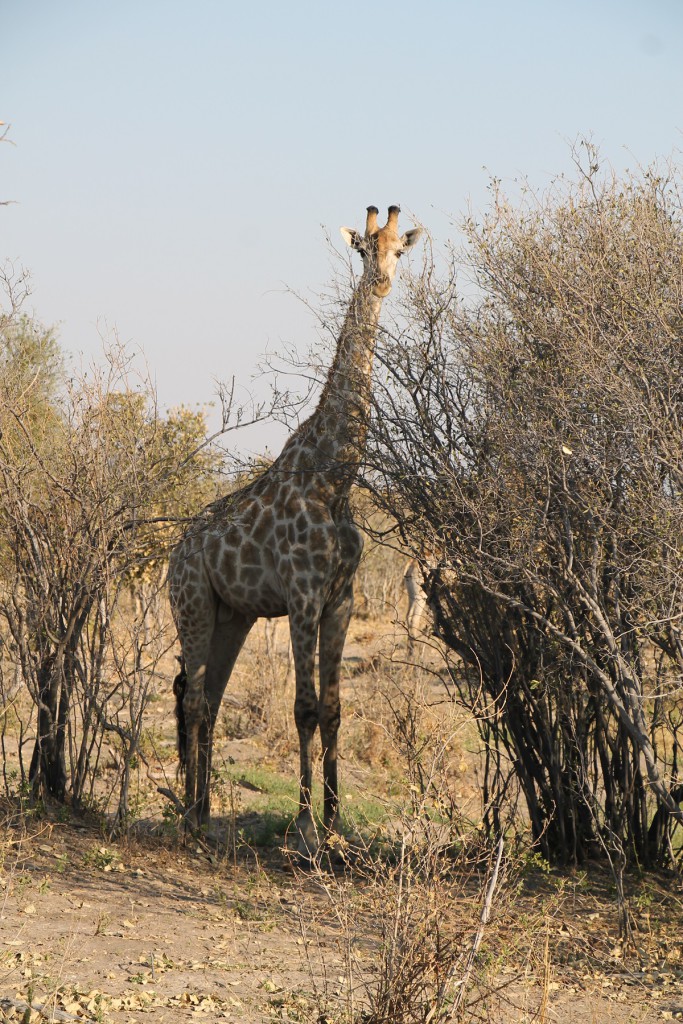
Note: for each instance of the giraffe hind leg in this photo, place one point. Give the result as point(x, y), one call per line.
point(189, 691)
point(230, 631)
point(179, 687)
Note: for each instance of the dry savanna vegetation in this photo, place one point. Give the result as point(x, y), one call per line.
point(511, 773)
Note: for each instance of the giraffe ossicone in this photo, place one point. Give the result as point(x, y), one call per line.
point(286, 544)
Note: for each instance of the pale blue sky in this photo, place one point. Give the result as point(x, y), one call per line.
point(175, 163)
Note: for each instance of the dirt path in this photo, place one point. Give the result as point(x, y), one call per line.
point(147, 932)
point(164, 934)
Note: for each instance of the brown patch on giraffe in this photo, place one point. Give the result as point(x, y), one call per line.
point(250, 553)
point(251, 576)
point(319, 562)
point(263, 526)
point(318, 537)
point(317, 515)
point(231, 536)
point(228, 567)
point(300, 559)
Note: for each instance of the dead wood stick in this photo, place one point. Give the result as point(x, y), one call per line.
point(461, 984)
point(170, 795)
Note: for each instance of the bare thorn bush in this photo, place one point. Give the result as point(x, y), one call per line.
point(527, 443)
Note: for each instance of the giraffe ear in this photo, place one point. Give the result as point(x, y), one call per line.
point(410, 238)
point(352, 238)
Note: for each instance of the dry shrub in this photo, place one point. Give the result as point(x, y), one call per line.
point(427, 929)
point(402, 718)
point(378, 587)
point(367, 736)
point(527, 442)
point(426, 917)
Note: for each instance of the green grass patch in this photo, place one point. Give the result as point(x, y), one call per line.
point(264, 803)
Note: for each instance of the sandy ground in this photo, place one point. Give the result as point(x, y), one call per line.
point(143, 932)
point(155, 929)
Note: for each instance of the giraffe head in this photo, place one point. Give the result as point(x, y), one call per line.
point(381, 248)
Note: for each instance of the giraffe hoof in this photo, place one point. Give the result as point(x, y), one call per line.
point(342, 850)
point(308, 841)
point(304, 862)
point(307, 853)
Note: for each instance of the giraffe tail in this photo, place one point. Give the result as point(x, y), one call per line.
point(179, 686)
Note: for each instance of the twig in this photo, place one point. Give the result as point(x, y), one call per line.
point(170, 795)
point(545, 994)
point(461, 985)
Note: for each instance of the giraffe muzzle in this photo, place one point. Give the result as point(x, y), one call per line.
point(382, 286)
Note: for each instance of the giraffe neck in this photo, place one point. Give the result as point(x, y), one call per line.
point(331, 441)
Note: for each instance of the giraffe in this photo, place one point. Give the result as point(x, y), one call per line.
point(286, 544)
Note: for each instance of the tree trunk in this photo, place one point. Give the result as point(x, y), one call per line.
point(48, 764)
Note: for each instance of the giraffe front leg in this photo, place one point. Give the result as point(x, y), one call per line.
point(304, 632)
point(334, 625)
point(230, 632)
